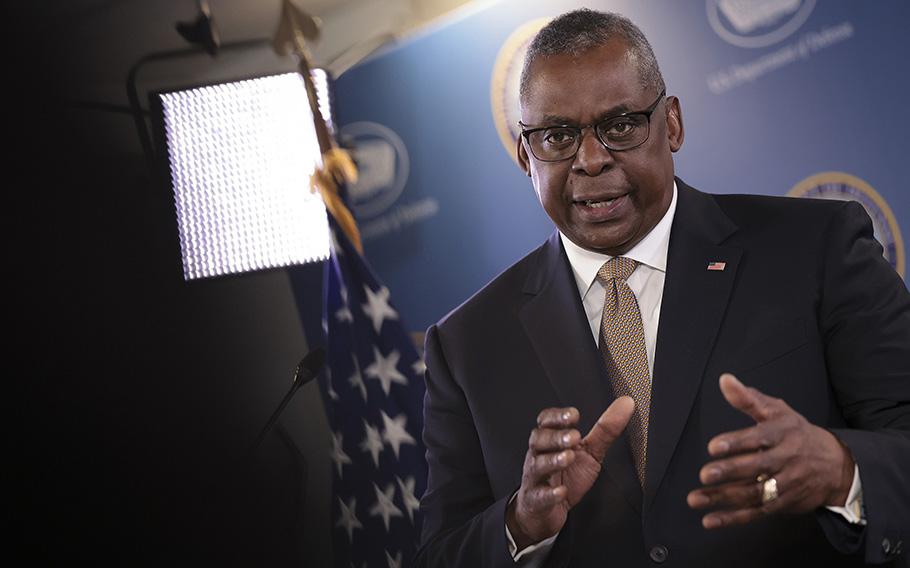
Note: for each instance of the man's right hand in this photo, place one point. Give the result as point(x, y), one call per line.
point(560, 467)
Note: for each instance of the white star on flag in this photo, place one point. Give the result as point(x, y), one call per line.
point(411, 503)
point(348, 518)
point(344, 314)
point(386, 370)
point(384, 506)
point(331, 389)
point(419, 367)
point(372, 442)
point(393, 562)
point(377, 306)
point(356, 380)
point(338, 456)
point(394, 432)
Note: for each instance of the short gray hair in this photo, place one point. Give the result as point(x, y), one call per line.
point(578, 31)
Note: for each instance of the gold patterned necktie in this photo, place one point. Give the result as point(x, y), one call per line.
point(622, 344)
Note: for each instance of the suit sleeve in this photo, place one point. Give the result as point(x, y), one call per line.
point(463, 525)
point(864, 316)
point(463, 521)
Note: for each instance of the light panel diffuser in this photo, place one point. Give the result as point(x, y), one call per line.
point(241, 156)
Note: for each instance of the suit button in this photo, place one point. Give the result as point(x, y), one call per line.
point(886, 545)
point(659, 553)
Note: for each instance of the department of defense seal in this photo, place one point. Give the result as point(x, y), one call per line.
point(757, 23)
point(845, 187)
point(383, 164)
point(506, 80)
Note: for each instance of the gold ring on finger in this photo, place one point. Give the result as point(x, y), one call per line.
point(768, 490)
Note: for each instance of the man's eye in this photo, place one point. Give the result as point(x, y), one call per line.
point(618, 128)
point(559, 136)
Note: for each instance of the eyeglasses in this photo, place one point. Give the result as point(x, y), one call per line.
point(617, 133)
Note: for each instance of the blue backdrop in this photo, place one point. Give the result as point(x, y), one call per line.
point(778, 97)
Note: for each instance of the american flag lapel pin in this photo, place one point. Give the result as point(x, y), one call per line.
point(715, 265)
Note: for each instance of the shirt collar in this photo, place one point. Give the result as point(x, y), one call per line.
point(650, 251)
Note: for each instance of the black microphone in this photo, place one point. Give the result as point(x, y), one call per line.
point(306, 371)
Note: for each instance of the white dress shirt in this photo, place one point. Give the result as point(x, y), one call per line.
point(647, 283)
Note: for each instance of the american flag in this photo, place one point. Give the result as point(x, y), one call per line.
point(373, 391)
point(715, 265)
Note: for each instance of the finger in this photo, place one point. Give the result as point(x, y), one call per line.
point(542, 498)
point(745, 399)
point(752, 439)
point(742, 467)
point(557, 417)
point(542, 466)
point(549, 440)
point(608, 427)
point(719, 519)
point(747, 495)
point(748, 513)
point(739, 495)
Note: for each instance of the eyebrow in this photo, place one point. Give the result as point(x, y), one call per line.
point(609, 113)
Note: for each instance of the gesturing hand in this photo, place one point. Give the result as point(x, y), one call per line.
point(560, 467)
point(811, 467)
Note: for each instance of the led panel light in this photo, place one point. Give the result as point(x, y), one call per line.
point(241, 156)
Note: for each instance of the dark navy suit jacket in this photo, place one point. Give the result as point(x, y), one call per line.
point(806, 309)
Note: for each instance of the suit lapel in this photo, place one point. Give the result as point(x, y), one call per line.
point(554, 321)
point(694, 301)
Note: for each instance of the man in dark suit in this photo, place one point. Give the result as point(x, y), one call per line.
point(648, 292)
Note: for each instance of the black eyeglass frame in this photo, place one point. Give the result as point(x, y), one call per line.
point(527, 130)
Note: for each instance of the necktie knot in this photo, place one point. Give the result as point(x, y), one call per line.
point(618, 267)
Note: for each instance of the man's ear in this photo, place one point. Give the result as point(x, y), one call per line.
point(521, 153)
point(676, 133)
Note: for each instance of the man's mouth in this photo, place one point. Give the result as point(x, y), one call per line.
point(599, 203)
point(599, 209)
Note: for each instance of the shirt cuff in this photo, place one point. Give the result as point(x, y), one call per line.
point(853, 510)
point(534, 554)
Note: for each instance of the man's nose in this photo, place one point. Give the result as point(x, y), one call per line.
point(592, 157)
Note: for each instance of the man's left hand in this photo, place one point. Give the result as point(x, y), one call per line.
point(811, 466)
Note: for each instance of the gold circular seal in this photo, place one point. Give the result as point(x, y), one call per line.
point(845, 187)
point(506, 80)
